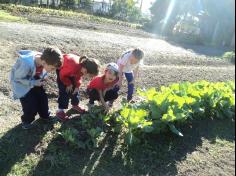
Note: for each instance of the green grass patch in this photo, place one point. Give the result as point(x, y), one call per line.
point(20, 9)
point(4, 16)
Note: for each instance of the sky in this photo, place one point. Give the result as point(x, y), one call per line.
point(147, 5)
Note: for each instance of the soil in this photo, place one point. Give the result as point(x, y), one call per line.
point(164, 64)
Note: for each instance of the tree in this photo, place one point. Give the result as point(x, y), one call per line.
point(216, 18)
point(68, 3)
point(125, 10)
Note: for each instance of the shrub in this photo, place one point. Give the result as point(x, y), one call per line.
point(229, 56)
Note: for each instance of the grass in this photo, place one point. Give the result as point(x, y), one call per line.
point(20, 9)
point(7, 17)
point(42, 151)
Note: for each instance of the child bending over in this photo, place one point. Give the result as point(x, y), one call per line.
point(104, 88)
point(27, 81)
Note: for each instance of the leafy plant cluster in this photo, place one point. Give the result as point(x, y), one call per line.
point(164, 109)
point(88, 130)
point(157, 111)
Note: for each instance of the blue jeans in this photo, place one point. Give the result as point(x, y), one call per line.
point(65, 97)
point(130, 78)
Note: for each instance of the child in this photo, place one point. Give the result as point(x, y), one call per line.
point(129, 65)
point(69, 80)
point(27, 80)
point(103, 88)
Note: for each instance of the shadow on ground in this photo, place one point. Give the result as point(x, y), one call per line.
point(16, 143)
point(158, 157)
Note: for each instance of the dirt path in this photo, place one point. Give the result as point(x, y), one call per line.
point(164, 63)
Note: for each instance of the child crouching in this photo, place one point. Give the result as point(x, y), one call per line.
point(104, 88)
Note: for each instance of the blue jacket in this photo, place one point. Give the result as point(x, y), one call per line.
point(22, 74)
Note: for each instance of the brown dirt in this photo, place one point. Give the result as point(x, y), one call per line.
point(164, 64)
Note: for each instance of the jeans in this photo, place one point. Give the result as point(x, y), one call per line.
point(33, 103)
point(111, 95)
point(130, 78)
point(64, 97)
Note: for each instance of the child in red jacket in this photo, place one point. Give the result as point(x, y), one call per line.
point(69, 77)
point(104, 88)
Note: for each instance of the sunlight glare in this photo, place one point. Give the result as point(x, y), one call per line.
point(168, 14)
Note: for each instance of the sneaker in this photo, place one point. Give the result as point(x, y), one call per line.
point(49, 119)
point(61, 115)
point(26, 126)
point(79, 109)
point(131, 101)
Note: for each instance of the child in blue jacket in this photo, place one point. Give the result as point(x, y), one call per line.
point(27, 81)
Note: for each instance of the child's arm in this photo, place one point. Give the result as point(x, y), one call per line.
point(103, 101)
point(136, 71)
point(64, 77)
point(121, 68)
point(21, 72)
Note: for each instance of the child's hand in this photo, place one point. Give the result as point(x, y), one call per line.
point(132, 82)
point(39, 83)
point(119, 84)
point(69, 89)
point(75, 91)
point(107, 108)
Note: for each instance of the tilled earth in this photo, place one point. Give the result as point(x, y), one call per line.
point(164, 63)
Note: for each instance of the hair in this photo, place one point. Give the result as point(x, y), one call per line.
point(52, 56)
point(116, 73)
point(91, 65)
point(138, 53)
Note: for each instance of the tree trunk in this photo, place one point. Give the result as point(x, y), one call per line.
point(141, 5)
point(233, 41)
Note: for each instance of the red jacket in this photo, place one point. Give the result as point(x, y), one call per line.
point(98, 83)
point(71, 69)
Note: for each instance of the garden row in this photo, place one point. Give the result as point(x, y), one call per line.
point(156, 112)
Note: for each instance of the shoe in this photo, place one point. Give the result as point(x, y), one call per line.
point(27, 126)
point(49, 119)
point(79, 109)
point(131, 101)
point(61, 115)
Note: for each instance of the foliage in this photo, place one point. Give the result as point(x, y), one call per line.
point(4, 16)
point(158, 111)
point(126, 10)
point(188, 30)
point(229, 56)
point(216, 20)
point(175, 105)
point(88, 130)
point(22, 10)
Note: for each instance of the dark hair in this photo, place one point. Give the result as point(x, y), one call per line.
point(138, 53)
point(91, 65)
point(52, 56)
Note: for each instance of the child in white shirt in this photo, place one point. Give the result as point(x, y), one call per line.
point(129, 65)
